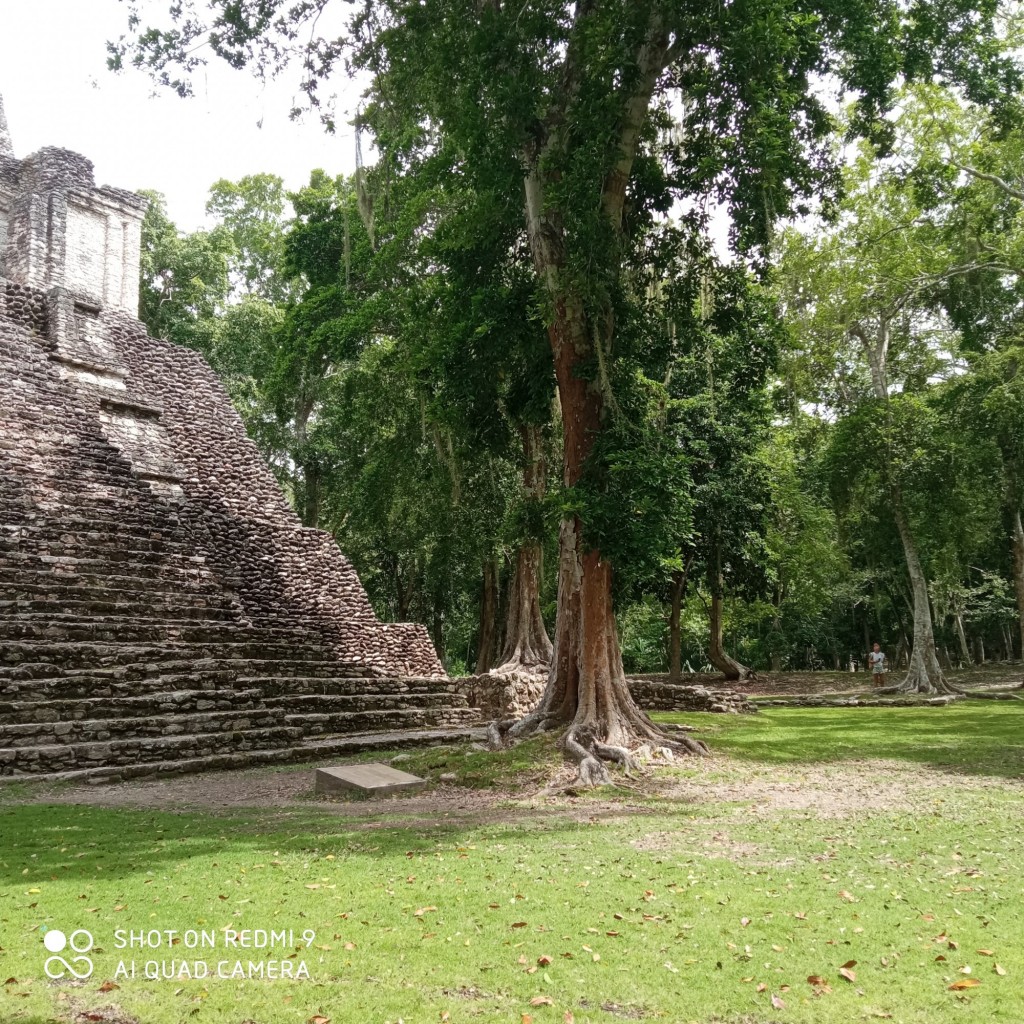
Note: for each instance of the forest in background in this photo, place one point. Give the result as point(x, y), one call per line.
point(799, 443)
point(393, 371)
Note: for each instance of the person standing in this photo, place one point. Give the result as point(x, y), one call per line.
point(877, 664)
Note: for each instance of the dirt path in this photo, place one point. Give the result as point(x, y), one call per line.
point(826, 790)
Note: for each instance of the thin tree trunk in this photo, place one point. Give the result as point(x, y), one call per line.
point(679, 579)
point(488, 618)
point(674, 645)
point(924, 674)
point(961, 638)
point(1018, 573)
point(728, 666)
point(311, 496)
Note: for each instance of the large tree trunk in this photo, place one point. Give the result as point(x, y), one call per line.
point(488, 618)
point(1018, 573)
point(527, 647)
point(924, 674)
point(586, 692)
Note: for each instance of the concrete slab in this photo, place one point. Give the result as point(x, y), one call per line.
point(374, 779)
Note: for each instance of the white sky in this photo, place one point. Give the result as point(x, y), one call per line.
point(57, 91)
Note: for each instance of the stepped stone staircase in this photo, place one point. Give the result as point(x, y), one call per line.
point(161, 608)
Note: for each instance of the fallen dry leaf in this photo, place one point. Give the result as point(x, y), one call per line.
point(847, 974)
point(108, 986)
point(848, 896)
point(963, 983)
point(319, 1019)
point(1001, 971)
point(518, 924)
point(777, 1002)
point(542, 1001)
point(984, 952)
point(544, 960)
point(568, 1018)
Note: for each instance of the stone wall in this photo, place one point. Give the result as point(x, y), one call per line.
point(501, 697)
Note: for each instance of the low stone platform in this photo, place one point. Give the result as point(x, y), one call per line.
point(373, 779)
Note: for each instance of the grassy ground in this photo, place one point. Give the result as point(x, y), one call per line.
point(827, 865)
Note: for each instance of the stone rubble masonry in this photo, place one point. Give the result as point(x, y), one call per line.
point(161, 605)
point(497, 696)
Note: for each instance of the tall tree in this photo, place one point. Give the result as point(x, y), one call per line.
point(562, 101)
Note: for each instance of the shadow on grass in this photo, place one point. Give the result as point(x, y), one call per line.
point(964, 739)
point(88, 844)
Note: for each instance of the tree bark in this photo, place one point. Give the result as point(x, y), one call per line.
point(961, 639)
point(586, 692)
point(924, 674)
point(527, 645)
point(528, 648)
point(1018, 573)
point(675, 665)
point(312, 493)
point(728, 666)
point(488, 618)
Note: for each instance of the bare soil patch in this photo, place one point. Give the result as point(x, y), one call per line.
point(833, 790)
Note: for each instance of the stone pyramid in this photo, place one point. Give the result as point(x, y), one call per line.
point(161, 606)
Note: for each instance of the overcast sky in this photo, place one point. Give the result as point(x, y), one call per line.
point(57, 91)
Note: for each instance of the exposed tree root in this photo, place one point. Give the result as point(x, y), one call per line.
point(591, 753)
point(920, 680)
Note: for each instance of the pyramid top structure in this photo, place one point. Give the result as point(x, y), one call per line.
point(6, 146)
point(59, 230)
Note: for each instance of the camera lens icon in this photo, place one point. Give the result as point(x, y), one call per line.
point(80, 941)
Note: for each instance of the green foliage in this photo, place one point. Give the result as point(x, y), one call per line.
point(390, 343)
point(184, 279)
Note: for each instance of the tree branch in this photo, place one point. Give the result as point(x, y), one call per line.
point(651, 61)
point(994, 179)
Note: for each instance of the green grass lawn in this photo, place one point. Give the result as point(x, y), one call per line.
point(699, 894)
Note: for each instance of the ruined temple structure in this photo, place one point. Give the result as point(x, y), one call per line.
point(161, 606)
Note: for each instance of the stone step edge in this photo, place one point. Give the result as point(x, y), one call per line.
point(165, 718)
point(311, 751)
